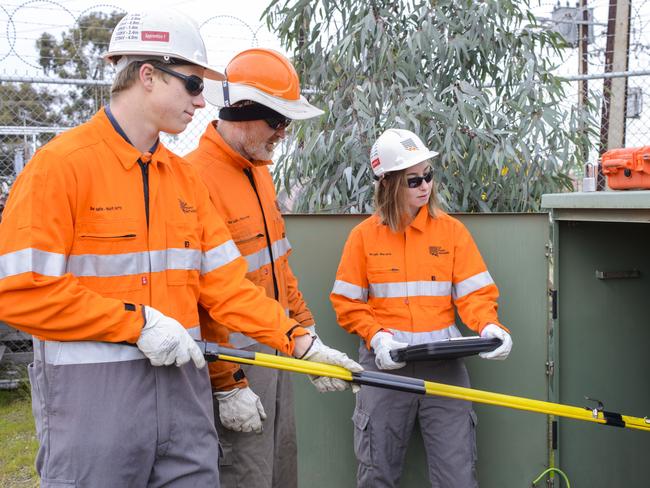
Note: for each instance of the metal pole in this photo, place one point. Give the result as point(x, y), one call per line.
point(597, 415)
point(583, 69)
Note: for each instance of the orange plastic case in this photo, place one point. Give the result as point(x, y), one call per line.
point(627, 168)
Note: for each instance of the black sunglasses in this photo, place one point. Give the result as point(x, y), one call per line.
point(277, 123)
point(193, 84)
point(416, 181)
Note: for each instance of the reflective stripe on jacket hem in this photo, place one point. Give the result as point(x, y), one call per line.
point(414, 338)
point(90, 352)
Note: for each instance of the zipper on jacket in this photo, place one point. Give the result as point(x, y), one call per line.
point(248, 239)
point(249, 174)
point(123, 236)
point(144, 167)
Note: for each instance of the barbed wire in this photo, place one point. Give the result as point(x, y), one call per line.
point(22, 24)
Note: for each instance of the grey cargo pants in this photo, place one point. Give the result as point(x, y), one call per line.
point(384, 420)
point(269, 459)
point(123, 424)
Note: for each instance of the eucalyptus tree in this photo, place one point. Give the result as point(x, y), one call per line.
point(473, 78)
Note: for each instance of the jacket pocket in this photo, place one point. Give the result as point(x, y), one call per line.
point(106, 257)
point(105, 237)
point(225, 453)
point(362, 437)
point(473, 419)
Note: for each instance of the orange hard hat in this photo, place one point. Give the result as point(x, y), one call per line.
point(263, 76)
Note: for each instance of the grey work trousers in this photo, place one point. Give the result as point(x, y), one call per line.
point(269, 459)
point(124, 424)
point(384, 420)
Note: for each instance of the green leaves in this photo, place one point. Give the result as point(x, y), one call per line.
point(473, 79)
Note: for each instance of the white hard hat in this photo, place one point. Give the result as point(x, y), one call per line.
point(263, 76)
point(397, 149)
point(162, 32)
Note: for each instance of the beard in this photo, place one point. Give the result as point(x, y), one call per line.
point(260, 151)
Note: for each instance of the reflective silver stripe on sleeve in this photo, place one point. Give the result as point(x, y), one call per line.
point(219, 256)
point(32, 261)
point(90, 352)
point(472, 284)
point(414, 338)
point(411, 289)
point(261, 258)
point(240, 341)
point(348, 290)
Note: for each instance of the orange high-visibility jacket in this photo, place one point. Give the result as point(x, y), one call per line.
point(76, 247)
point(409, 282)
point(244, 196)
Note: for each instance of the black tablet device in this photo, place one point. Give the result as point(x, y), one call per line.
point(446, 349)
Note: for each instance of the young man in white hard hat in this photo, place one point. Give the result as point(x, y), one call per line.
point(108, 243)
point(254, 412)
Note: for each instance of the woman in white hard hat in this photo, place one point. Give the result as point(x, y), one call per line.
point(404, 273)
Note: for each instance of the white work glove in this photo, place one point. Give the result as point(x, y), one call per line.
point(501, 352)
point(383, 343)
point(240, 410)
point(320, 353)
point(165, 341)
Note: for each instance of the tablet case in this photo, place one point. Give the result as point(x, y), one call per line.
point(446, 349)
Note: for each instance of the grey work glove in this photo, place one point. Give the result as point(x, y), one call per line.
point(240, 410)
point(165, 341)
point(501, 352)
point(321, 353)
point(383, 343)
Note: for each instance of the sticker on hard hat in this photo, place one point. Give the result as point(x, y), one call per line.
point(157, 36)
point(409, 145)
point(375, 162)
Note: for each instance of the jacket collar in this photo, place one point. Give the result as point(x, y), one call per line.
point(212, 140)
point(420, 220)
point(115, 138)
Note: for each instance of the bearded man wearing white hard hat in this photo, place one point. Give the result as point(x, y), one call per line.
point(254, 408)
point(108, 244)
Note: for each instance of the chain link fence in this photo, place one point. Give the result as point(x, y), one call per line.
point(42, 95)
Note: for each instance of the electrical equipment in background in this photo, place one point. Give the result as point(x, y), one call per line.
point(566, 20)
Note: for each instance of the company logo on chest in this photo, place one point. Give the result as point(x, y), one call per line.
point(437, 251)
point(185, 207)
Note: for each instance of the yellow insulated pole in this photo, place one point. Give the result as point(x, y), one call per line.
point(415, 385)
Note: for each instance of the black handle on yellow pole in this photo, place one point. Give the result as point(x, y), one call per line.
point(213, 352)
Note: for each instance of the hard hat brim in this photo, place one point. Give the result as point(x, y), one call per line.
point(299, 109)
point(417, 159)
point(210, 72)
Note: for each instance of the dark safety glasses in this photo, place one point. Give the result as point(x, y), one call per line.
point(416, 181)
point(193, 84)
point(278, 123)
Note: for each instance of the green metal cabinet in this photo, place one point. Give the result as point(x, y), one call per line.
point(601, 275)
point(512, 445)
